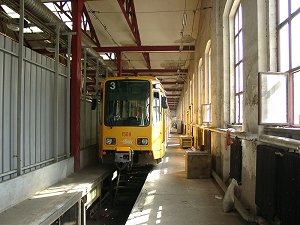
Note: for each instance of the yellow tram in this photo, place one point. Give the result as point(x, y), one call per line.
point(133, 129)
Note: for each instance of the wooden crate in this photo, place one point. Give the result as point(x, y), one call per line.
point(197, 164)
point(186, 141)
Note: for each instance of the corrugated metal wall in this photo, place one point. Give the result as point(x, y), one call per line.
point(88, 125)
point(38, 110)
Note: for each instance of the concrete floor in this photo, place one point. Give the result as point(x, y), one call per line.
point(168, 197)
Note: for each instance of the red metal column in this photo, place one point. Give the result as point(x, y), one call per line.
point(77, 7)
point(119, 63)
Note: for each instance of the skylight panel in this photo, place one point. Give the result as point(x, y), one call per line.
point(10, 12)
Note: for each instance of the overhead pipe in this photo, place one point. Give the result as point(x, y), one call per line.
point(268, 139)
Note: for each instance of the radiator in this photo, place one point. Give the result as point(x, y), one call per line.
point(236, 160)
point(265, 194)
point(278, 184)
point(289, 201)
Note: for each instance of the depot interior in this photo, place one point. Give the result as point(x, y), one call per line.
point(230, 68)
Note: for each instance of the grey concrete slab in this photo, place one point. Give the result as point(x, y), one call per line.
point(46, 206)
point(168, 197)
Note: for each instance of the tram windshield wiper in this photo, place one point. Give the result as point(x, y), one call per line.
point(111, 122)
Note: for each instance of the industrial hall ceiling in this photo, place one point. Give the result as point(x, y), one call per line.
point(132, 37)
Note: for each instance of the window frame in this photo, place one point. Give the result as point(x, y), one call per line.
point(206, 107)
point(207, 82)
point(237, 62)
point(280, 25)
point(261, 106)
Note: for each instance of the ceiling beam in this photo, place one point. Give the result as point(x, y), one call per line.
point(147, 59)
point(147, 48)
point(128, 9)
point(87, 22)
point(174, 82)
point(173, 89)
point(174, 95)
point(136, 71)
point(155, 71)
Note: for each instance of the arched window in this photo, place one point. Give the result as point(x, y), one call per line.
point(200, 82)
point(238, 65)
point(206, 107)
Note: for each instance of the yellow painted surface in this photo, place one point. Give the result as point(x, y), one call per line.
point(126, 136)
point(123, 149)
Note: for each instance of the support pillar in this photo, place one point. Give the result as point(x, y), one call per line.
point(77, 7)
point(20, 103)
point(119, 63)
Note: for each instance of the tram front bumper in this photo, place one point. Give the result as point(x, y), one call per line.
point(124, 155)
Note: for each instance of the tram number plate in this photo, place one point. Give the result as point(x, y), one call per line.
point(122, 157)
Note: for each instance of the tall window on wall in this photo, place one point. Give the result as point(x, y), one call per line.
point(206, 107)
point(192, 97)
point(238, 65)
point(200, 79)
point(288, 27)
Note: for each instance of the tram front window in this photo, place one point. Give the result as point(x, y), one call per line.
point(127, 103)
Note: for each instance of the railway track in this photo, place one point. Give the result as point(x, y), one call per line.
point(115, 209)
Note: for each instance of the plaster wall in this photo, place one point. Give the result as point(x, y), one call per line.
point(250, 120)
point(20, 188)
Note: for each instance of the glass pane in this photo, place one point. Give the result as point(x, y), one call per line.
point(236, 47)
point(283, 10)
point(236, 23)
point(273, 98)
point(127, 103)
point(237, 108)
point(241, 67)
point(206, 113)
point(237, 79)
point(295, 41)
point(241, 108)
point(297, 98)
point(240, 17)
point(64, 18)
point(241, 53)
point(295, 4)
point(284, 49)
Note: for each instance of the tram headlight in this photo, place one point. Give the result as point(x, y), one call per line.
point(110, 141)
point(142, 141)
